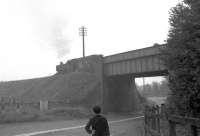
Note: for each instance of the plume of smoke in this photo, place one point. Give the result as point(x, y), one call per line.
point(60, 42)
point(50, 27)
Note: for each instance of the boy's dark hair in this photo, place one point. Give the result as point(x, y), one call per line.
point(96, 109)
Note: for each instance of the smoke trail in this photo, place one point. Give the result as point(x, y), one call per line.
point(59, 39)
point(49, 26)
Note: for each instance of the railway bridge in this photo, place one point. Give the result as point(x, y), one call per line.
point(120, 71)
point(117, 74)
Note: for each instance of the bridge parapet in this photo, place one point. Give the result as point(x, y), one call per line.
point(142, 62)
point(149, 51)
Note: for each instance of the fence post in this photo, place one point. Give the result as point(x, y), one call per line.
point(172, 128)
point(193, 130)
point(146, 120)
point(158, 118)
point(18, 106)
point(2, 107)
point(153, 118)
point(43, 105)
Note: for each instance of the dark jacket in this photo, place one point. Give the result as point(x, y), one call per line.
point(98, 126)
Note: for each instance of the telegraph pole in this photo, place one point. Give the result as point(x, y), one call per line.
point(144, 89)
point(83, 33)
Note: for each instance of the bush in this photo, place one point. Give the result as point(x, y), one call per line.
point(69, 112)
point(11, 116)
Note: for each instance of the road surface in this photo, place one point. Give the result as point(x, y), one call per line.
point(119, 126)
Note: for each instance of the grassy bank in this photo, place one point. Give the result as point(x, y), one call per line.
point(61, 113)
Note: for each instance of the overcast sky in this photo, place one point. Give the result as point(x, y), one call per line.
point(37, 34)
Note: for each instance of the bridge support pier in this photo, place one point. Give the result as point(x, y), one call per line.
point(120, 94)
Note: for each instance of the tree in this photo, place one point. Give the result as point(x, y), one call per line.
point(182, 57)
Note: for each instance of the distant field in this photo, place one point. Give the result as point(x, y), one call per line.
point(157, 100)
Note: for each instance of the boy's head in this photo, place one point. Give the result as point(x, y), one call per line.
point(96, 109)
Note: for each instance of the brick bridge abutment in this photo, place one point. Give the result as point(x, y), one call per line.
point(120, 94)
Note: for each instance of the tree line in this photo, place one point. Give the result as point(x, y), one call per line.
point(156, 89)
point(182, 58)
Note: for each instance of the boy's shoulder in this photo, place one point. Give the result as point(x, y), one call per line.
point(99, 116)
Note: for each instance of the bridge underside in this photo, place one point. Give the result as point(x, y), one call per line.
point(120, 94)
point(142, 74)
